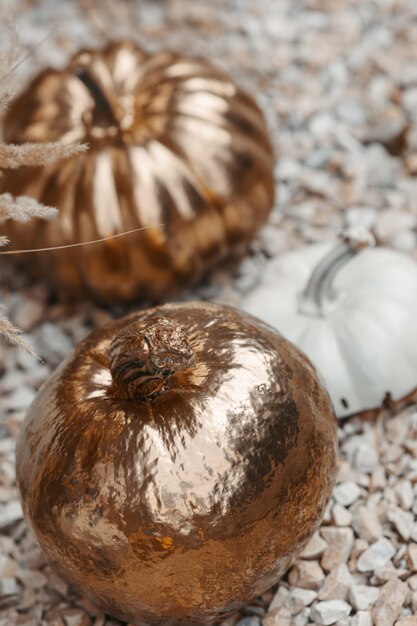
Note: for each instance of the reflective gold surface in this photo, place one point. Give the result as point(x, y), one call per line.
point(174, 145)
point(182, 505)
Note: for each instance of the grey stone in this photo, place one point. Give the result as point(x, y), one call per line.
point(8, 587)
point(279, 598)
point(10, 512)
point(367, 525)
point(52, 343)
point(315, 547)
point(27, 313)
point(390, 602)
point(365, 459)
point(280, 617)
point(411, 620)
point(402, 521)
point(404, 493)
point(362, 618)
point(361, 597)
point(341, 516)
point(346, 493)
point(337, 584)
point(306, 574)
point(339, 544)
point(300, 598)
point(412, 557)
point(377, 555)
point(330, 611)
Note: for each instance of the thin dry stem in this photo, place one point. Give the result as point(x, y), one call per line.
point(34, 154)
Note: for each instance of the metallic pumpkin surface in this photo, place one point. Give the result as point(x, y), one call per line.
point(174, 147)
point(177, 461)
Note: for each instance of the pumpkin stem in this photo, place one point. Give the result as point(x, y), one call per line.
point(104, 112)
point(145, 355)
point(320, 293)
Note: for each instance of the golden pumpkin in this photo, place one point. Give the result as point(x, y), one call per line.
point(177, 462)
point(175, 147)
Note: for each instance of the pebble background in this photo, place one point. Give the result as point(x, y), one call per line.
point(338, 82)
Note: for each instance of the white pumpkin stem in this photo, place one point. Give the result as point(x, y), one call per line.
point(320, 291)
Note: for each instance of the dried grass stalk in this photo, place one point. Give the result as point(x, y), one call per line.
point(21, 208)
point(32, 154)
point(13, 335)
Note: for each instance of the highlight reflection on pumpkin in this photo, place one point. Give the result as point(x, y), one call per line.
point(174, 145)
point(176, 463)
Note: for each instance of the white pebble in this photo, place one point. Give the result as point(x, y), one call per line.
point(377, 555)
point(346, 493)
point(362, 597)
point(330, 611)
point(10, 512)
point(300, 598)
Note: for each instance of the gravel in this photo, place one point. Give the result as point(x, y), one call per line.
point(338, 84)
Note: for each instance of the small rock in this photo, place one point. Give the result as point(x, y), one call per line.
point(8, 567)
point(27, 314)
point(76, 617)
point(367, 525)
point(384, 574)
point(361, 216)
point(282, 617)
point(337, 584)
point(315, 547)
point(306, 574)
point(390, 602)
point(8, 587)
point(341, 516)
point(378, 479)
point(407, 621)
point(346, 493)
point(411, 163)
point(10, 512)
point(388, 127)
point(330, 611)
point(340, 542)
point(302, 619)
point(352, 112)
point(279, 599)
point(377, 555)
point(52, 343)
point(299, 599)
point(32, 579)
point(362, 597)
point(412, 582)
point(404, 492)
point(412, 557)
point(20, 398)
point(362, 618)
point(402, 521)
point(365, 459)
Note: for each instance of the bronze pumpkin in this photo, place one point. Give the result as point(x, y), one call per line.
point(175, 146)
point(177, 462)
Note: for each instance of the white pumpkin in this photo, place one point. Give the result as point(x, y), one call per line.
point(353, 310)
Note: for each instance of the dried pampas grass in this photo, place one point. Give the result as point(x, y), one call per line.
point(21, 208)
